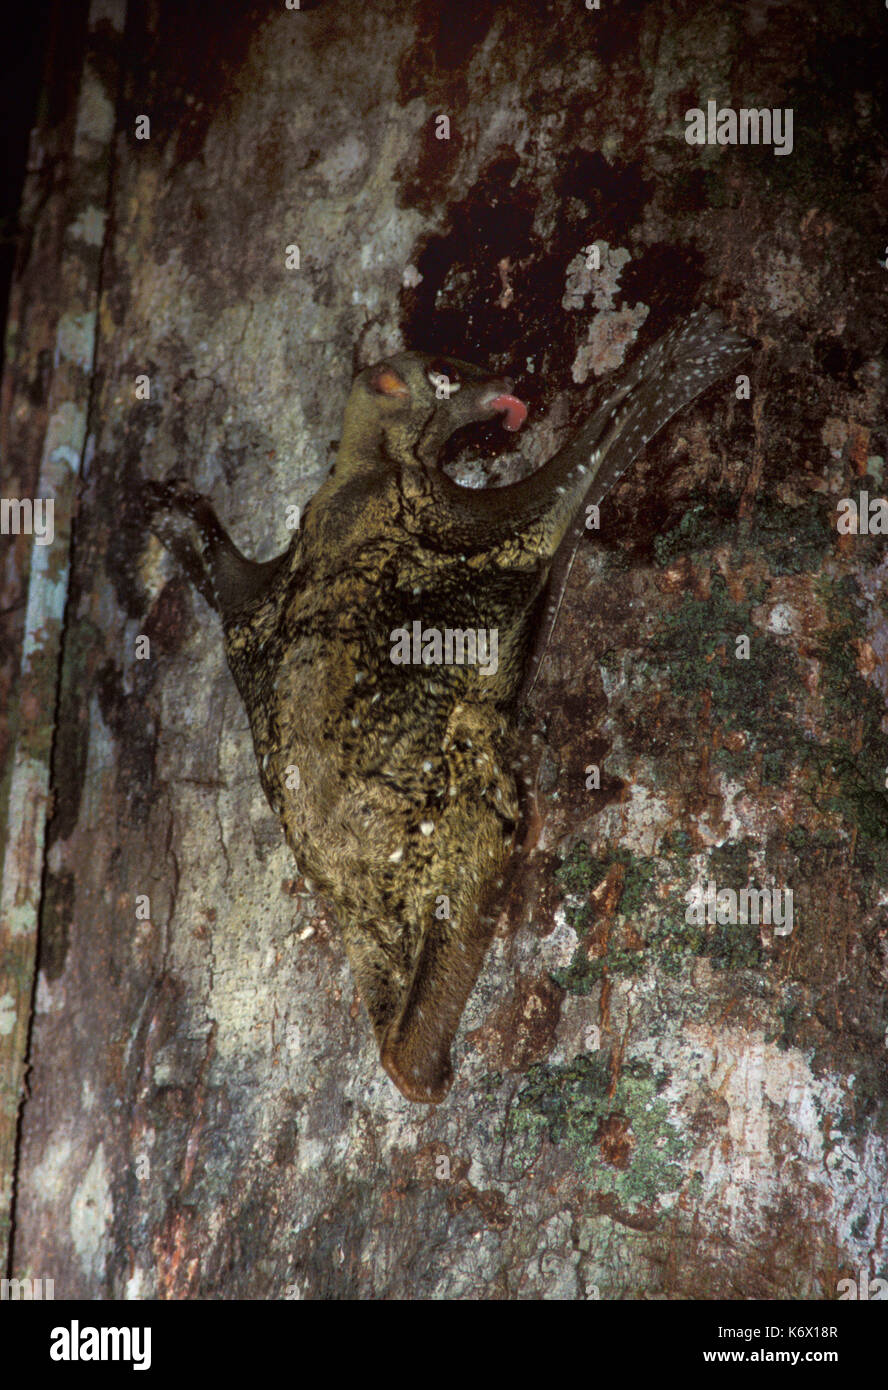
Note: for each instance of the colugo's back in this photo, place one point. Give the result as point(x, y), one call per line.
point(383, 656)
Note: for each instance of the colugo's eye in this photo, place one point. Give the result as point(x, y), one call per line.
point(444, 377)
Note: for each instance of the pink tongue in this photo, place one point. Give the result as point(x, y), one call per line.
point(514, 410)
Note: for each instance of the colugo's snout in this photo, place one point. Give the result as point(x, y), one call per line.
point(512, 408)
point(470, 390)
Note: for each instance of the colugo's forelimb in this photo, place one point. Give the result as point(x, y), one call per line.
point(666, 378)
point(188, 526)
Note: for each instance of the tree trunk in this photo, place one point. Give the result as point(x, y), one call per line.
point(648, 1102)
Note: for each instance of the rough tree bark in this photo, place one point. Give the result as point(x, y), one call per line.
point(643, 1107)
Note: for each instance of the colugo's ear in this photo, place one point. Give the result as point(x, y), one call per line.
point(386, 381)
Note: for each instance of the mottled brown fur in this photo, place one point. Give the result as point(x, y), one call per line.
point(405, 805)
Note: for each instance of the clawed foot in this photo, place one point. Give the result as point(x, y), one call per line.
point(184, 521)
point(173, 494)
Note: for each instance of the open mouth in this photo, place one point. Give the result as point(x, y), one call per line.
point(513, 410)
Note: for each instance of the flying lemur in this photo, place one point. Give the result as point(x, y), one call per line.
point(394, 779)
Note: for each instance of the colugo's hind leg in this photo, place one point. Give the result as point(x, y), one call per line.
point(381, 975)
point(186, 523)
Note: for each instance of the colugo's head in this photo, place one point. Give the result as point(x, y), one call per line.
point(408, 405)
